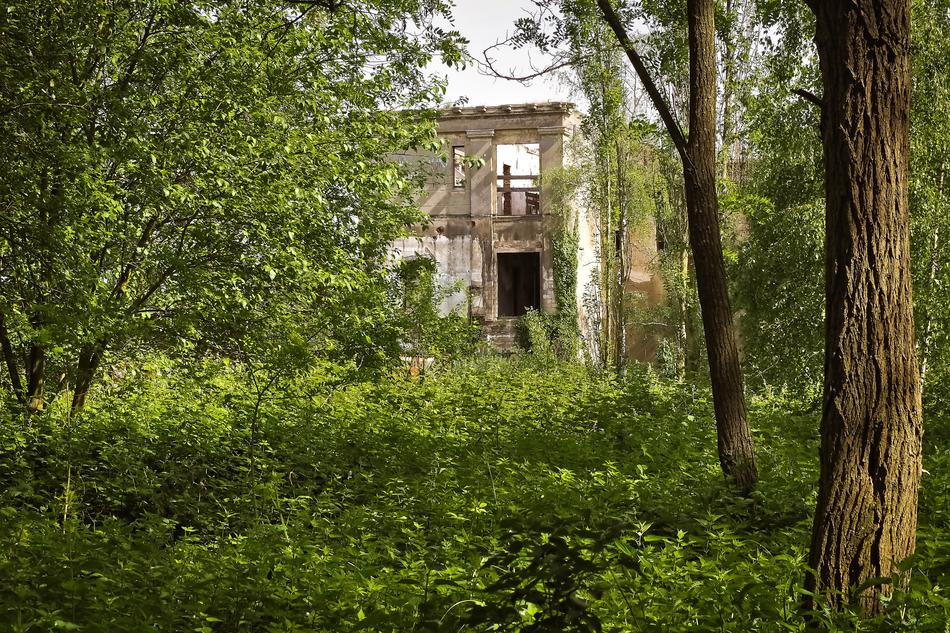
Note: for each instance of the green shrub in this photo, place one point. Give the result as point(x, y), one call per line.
point(490, 495)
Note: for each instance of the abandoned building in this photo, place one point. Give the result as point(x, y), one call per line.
point(493, 225)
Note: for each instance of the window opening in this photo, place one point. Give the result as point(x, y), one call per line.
point(519, 283)
point(458, 166)
point(518, 171)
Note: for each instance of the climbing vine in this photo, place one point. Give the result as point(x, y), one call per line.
point(558, 333)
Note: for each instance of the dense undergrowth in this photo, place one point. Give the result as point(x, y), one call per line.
point(499, 494)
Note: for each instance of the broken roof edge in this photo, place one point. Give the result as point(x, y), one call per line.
point(507, 109)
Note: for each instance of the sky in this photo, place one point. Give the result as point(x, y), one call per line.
point(483, 23)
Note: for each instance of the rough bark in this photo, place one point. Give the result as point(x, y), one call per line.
point(89, 358)
point(698, 153)
point(871, 424)
point(736, 454)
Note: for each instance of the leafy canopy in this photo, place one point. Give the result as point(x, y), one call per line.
point(193, 172)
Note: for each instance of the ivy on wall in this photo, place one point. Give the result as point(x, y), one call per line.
point(558, 332)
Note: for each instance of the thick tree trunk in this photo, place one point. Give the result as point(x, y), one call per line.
point(871, 425)
point(736, 453)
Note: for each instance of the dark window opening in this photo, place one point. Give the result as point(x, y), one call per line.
point(519, 283)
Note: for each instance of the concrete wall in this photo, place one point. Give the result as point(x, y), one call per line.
point(467, 231)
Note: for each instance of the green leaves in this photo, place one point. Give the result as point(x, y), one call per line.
point(498, 494)
point(202, 172)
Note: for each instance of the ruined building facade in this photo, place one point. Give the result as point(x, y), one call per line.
point(493, 226)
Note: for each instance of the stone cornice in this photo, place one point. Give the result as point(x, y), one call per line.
point(552, 107)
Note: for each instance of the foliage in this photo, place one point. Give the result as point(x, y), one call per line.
point(202, 173)
point(417, 299)
point(681, 353)
point(779, 269)
point(779, 273)
point(930, 196)
point(561, 187)
point(552, 336)
point(498, 494)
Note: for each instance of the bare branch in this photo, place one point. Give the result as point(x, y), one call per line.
point(808, 96)
point(672, 127)
point(488, 66)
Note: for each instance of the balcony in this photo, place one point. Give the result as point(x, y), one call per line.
point(518, 179)
point(518, 194)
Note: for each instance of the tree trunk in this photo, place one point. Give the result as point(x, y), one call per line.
point(35, 378)
point(89, 358)
point(736, 455)
point(927, 341)
point(728, 81)
point(9, 359)
point(871, 424)
point(620, 272)
point(692, 335)
point(686, 329)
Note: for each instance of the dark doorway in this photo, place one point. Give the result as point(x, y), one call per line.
point(519, 283)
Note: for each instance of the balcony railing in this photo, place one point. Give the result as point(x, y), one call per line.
point(515, 198)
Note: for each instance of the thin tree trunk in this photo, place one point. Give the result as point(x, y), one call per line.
point(736, 453)
point(927, 342)
point(35, 378)
point(729, 78)
point(9, 359)
point(607, 261)
point(88, 364)
point(686, 328)
point(619, 263)
point(931, 285)
point(871, 426)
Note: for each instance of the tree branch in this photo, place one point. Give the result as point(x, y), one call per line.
point(151, 290)
point(808, 96)
point(675, 131)
point(120, 285)
point(330, 5)
point(562, 61)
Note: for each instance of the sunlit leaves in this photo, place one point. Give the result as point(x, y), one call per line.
point(197, 170)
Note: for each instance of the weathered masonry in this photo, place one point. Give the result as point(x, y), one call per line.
point(492, 226)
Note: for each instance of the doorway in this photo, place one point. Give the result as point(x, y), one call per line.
point(519, 283)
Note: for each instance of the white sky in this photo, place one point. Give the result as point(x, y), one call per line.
point(485, 22)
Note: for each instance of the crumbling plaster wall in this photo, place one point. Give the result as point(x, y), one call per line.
point(466, 232)
point(465, 227)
